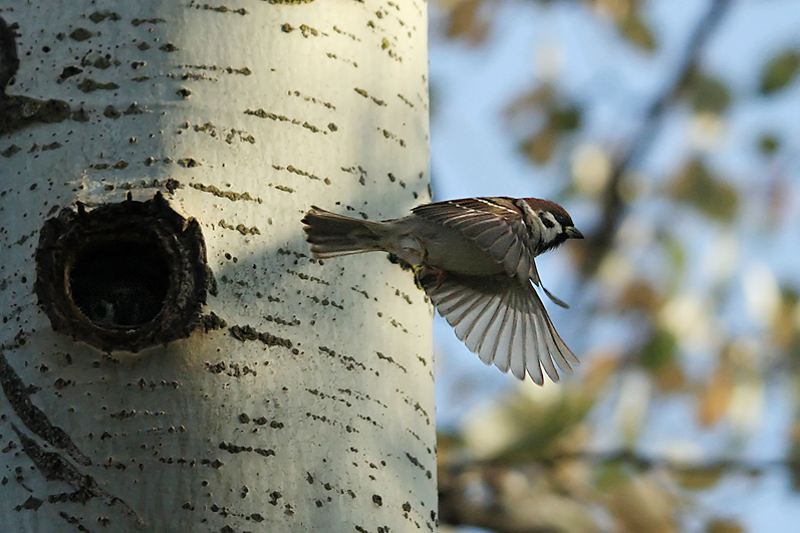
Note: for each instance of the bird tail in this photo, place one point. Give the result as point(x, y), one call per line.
point(330, 234)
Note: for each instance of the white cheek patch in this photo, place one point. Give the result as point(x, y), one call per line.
point(551, 231)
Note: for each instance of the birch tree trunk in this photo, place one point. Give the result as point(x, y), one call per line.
point(303, 398)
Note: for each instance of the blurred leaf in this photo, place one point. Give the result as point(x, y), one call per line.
point(659, 350)
point(618, 9)
point(519, 499)
point(542, 426)
point(716, 395)
point(676, 253)
point(635, 29)
point(706, 93)
point(447, 441)
point(534, 100)
point(700, 478)
point(560, 120)
point(723, 525)
point(565, 119)
point(658, 356)
point(465, 22)
point(541, 146)
point(591, 168)
point(784, 321)
point(610, 475)
point(642, 504)
point(641, 296)
point(671, 378)
point(793, 457)
point(697, 186)
point(627, 17)
point(768, 144)
point(598, 371)
point(779, 72)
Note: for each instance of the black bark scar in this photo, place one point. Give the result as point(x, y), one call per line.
point(16, 112)
point(18, 395)
point(56, 468)
point(9, 60)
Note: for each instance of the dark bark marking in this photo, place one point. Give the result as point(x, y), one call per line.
point(16, 112)
point(56, 468)
point(18, 395)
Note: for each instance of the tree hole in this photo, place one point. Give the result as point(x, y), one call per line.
point(119, 284)
point(122, 276)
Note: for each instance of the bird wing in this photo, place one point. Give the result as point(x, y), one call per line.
point(508, 242)
point(504, 322)
point(477, 219)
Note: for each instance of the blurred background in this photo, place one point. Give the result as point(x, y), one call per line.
point(670, 130)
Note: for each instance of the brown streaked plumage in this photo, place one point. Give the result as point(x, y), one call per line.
point(475, 259)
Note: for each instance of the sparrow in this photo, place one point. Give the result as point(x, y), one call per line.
point(474, 257)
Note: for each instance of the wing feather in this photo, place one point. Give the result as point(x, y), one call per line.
point(475, 338)
point(542, 339)
point(502, 360)
point(504, 322)
point(517, 357)
point(472, 217)
point(497, 226)
point(462, 307)
point(469, 319)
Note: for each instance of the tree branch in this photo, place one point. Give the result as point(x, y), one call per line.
point(614, 205)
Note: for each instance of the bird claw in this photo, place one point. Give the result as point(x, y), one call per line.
point(423, 273)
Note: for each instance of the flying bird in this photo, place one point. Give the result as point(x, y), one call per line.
point(474, 257)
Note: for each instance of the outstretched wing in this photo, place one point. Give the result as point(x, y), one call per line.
point(477, 219)
point(504, 322)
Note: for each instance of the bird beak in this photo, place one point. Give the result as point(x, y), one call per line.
point(573, 233)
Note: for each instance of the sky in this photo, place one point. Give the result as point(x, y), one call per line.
point(474, 152)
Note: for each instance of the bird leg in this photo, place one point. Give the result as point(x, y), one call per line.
point(423, 272)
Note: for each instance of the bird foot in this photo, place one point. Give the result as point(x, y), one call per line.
point(424, 275)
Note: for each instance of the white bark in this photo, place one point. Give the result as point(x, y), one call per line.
point(258, 110)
